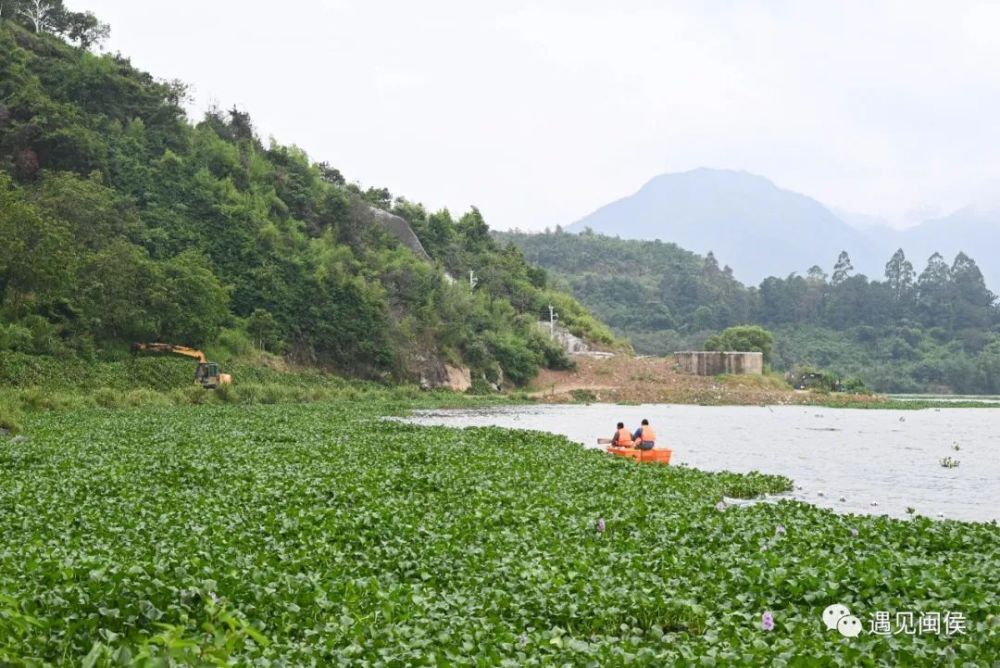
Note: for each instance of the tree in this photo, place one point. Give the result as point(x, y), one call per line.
point(115, 286)
point(899, 275)
point(743, 338)
point(40, 13)
point(264, 330)
point(932, 292)
point(842, 270)
point(968, 282)
point(93, 212)
point(936, 274)
point(475, 231)
point(988, 365)
point(190, 303)
point(971, 301)
point(36, 256)
point(816, 274)
point(83, 28)
point(710, 268)
point(331, 175)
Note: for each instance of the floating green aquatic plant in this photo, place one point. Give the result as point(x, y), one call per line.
point(322, 535)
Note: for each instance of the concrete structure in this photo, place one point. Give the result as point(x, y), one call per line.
point(712, 363)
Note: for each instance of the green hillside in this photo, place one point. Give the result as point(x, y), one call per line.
point(938, 330)
point(123, 221)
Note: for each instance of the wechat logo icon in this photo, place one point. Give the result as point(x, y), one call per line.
point(838, 617)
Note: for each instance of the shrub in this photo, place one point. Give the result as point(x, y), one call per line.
point(744, 338)
point(519, 362)
point(480, 386)
point(15, 337)
point(228, 394)
point(10, 419)
point(35, 399)
point(272, 393)
point(144, 397)
point(191, 395)
point(105, 397)
point(235, 341)
point(553, 355)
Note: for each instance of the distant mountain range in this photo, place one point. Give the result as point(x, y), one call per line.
point(762, 230)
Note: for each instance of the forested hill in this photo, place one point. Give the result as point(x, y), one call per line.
point(123, 221)
point(932, 328)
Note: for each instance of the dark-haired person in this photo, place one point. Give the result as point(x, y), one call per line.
point(644, 436)
point(621, 439)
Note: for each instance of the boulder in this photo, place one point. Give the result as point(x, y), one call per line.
point(459, 378)
point(432, 373)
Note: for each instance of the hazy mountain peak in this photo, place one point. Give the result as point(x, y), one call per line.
point(761, 229)
point(714, 174)
point(748, 221)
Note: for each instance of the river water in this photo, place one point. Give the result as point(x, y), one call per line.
point(858, 461)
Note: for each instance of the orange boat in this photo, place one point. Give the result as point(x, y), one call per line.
point(657, 456)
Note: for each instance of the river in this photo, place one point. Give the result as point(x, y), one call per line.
point(848, 460)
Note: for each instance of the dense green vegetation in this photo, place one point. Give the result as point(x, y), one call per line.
point(122, 221)
point(323, 535)
point(747, 338)
point(937, 331)
point(36, 383)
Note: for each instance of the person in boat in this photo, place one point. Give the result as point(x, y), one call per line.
point(644, 437)
point(622, 438)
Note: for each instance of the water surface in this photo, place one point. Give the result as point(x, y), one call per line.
point(861, 461)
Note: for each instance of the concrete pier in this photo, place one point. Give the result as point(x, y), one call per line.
point(713, 363)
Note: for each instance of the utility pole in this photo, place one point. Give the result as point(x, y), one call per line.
point(473, 281)
point(553, 316)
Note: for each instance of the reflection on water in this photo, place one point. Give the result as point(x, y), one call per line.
point(862, 461)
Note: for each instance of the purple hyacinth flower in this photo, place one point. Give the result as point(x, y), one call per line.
point(779, 530)
point(767, 621)
point(720, 506)
point(854, 532)
point(600, 525)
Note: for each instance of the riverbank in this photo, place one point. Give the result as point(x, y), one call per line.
point(623, 379)
point(657, 380)
point(36, 384)
point(31, 384)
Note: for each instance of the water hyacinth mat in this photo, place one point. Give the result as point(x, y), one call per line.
point(324, 535)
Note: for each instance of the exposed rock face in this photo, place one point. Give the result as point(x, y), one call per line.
point(459, 378)
point(570, 343)
point(400, 229)
point(433, 373)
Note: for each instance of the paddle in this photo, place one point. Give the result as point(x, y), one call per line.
point(604, 441)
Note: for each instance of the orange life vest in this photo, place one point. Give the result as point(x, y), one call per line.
point(624, 437)
point(648, 435)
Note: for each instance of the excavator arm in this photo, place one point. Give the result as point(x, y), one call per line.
point(208, 374)
point(169, 348)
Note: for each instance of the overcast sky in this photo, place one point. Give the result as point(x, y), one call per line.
point(540, 111)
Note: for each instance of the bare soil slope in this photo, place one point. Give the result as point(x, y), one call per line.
point(626, 379)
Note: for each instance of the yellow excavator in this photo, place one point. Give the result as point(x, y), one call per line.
point(208, 374)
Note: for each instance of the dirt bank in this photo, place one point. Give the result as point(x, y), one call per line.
point(624, 379)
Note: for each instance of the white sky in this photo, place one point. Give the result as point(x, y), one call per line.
point(539, 111)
